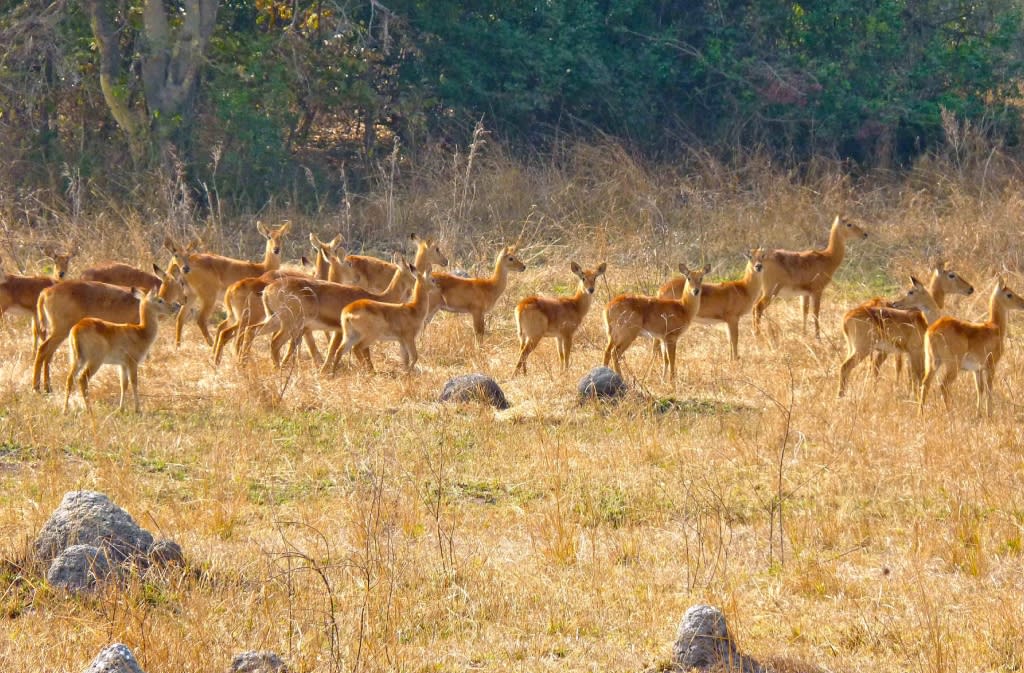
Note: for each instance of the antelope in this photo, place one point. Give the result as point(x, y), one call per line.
point(64, 304)
point(96, 342)
point(560, 317)
point(210, 275)
point(19, 294)
point(724, 302)
point(943, 281)
point(805, 273)
point(895, 328)
point(244, 300)
point(475, 296)
point(957, 344)
point(629, 315)
point(375, 274)
point(366, 321)
point(294, 305)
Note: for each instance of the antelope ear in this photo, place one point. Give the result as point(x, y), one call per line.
point(169, 244)
point(262, 229)
point(304, 261)
point(706, 269)
point(1000, 283)
point(414, 238)
point(915, 282)
point(835, 222)
point(135, 293)
point(396, 258)
point(575, 268)
point(601, 268)
point(683, 269)
point(313, 240)
point(336, 241)
point(284, 228)
point(193, 244)
point(159, 272)
point(747, 256)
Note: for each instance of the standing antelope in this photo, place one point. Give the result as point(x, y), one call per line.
point(957, 344)
point(375, 274)
point(294, 305)
point(895, 328)
point(365, 322)
point(560, 317)
point(943, 281)
point(19, 294)
point(210, 275)
point(630, 315)
point(805, 273)
point(243, 300)
point(724, 302)
point(64, 304)
point(475, 296)
point(96, 342)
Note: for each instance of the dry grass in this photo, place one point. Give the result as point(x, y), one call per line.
point(352, 523)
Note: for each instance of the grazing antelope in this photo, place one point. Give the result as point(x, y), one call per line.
point(64, 304)
point(629, 315)
point(943, 281)
point(19, 294)
point(560, 317)
point(294, 305)
point(210, 275)
point(898, 327)
point(475, 296)
point(243, 300)
point(96, 342)
point(375, 274)
point(805, 273)
point(957, 344)
point(725, 302)
point(365, 322)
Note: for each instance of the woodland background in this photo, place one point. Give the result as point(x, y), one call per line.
point(186, 109)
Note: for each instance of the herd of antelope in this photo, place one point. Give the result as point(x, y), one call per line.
point(110, 314)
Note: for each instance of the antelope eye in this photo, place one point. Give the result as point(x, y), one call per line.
point(849, 224)
point(952, 275)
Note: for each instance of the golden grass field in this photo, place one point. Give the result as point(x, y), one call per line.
point(354, 524)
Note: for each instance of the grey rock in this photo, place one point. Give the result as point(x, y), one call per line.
point(79, 567)
point(474, 388)
point(116, 658)
point(704, 643)
point(601, 383)
point(165, 552)
point(258, 662)
point(88, 517)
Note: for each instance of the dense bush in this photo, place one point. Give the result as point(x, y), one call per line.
point(289, 93)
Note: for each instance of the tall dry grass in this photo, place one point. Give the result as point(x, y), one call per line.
point(353, 524)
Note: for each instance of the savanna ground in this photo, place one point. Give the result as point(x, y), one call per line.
point(352, 523)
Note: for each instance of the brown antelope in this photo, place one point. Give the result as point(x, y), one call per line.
point(560, 317)
point(630, 315)
point(327, 266)
point(805, 273)
point(365, 322)
point(243, 300)
point(294, 305)
point(19, 294)
point(375, 274)
point(943, 281)
point(96, 342)
point(899, 327)
point(210, 275)
point(957, 344)
point(724, 302)
point(64, 304)
point(475, 296)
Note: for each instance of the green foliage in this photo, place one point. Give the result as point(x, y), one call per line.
point(291, 86)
